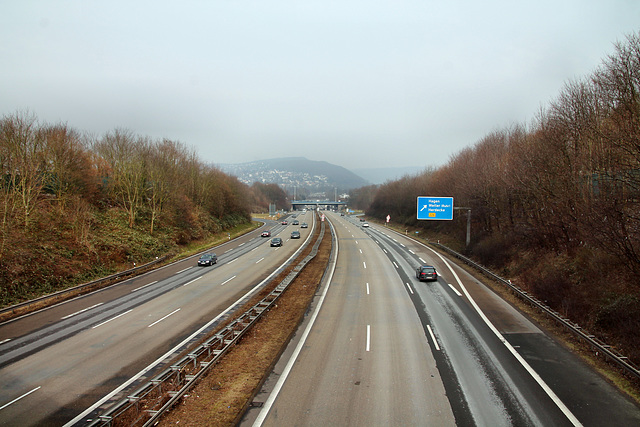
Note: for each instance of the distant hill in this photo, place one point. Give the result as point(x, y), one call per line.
point(381, 175)
point(296, 171)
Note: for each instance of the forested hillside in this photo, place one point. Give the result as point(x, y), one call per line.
point(73, 207)
point(555, 203)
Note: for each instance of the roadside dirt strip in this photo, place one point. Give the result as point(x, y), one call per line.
point(222, 396)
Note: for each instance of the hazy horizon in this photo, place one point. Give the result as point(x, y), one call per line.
point(357, 84)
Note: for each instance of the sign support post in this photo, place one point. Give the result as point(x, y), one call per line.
point(468, 223)
point(441, 208)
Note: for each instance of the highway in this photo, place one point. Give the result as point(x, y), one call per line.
point(385, 349)
point(362, 363)
point(56, 363)
point(378, 347)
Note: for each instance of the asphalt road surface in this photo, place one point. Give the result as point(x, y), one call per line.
point(366, 361)
point(58, 362)
point(378, 347)
point(386, 349)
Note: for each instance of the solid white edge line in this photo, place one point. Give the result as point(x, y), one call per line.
point(433, 337)
point(127, 383)
point(287, 369)
point(5, 341)
point(559, 403)
point(368, 337)
point(81, 311)
point(18, 398)
point(160, 320)
point(454, 289)
point(113, 318)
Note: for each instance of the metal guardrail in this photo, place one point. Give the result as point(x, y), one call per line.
point(85, 287)
point(158, 395)
point(609, 352)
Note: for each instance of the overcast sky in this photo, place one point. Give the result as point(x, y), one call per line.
point(356, 83)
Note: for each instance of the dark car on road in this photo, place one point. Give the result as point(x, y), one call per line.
point(304, 225)
point(295, 234)
point(426, 272)
point(295, 222)
point(276, 241)
point(208, 259)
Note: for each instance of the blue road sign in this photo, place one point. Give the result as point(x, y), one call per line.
point(438, 208)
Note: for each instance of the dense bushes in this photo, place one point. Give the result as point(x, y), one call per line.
point(561, 196)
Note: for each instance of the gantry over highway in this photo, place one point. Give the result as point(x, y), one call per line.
point(312, 204)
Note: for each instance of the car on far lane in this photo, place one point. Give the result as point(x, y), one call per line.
point(426, 272)
point(285, 222)
point(266, 233)
point(276, 241)
point(295, 222)
point(207, 259)
point(304, 225)
point(295, 234)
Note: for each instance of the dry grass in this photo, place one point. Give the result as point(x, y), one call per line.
point(222, 396)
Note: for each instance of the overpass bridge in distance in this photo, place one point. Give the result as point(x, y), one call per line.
point(300, 204)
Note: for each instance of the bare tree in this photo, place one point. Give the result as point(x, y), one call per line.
point(68, 168)
point(618, 89)
point(163, 168)
point(22, 163)
point(124, 154)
